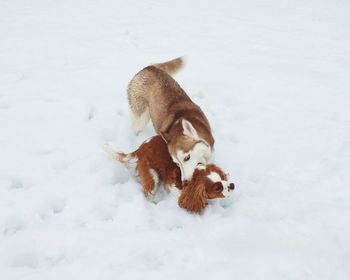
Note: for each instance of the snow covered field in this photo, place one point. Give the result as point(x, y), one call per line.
point(273, 77)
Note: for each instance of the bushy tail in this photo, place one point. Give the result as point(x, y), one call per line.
point(125, 158)
point(171, 66)
point(122, 157)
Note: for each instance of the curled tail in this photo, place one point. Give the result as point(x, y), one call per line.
point(122, 157)
point(171, 66)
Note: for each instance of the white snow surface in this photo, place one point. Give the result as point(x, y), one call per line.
point(273, 78)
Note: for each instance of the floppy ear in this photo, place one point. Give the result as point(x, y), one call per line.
point(188, 129)
point(193, 197)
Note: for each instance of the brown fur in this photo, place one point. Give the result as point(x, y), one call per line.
point(153, 154)
point(154, 94)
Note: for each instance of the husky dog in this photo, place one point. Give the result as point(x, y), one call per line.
point(154, 94)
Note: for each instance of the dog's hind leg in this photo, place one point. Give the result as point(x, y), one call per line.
point(149, 179)
point(138, 105)
point(139, 121)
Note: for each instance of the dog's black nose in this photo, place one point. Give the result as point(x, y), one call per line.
point(231, 186)
point(185, 183)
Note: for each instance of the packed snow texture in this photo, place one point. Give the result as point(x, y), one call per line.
point(273, 78)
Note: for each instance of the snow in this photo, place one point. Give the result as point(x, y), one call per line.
point(272, 78)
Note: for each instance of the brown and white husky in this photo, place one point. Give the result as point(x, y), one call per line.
point(154, 94)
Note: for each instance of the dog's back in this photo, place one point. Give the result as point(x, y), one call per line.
point(153, 155)
point(154, 94)
point(151, 91)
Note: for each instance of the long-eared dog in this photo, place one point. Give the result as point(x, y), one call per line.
point(154, 94)
point(154, 164)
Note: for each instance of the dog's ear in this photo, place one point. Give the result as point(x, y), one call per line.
point(193, 197)
point(188, 129)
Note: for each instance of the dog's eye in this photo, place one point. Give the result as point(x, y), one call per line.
point(218, 187)
point(187, 158)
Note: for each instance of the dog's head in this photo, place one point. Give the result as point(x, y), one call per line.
point(207, 183)
point(187, 150)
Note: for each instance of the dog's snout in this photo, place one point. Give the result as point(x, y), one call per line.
point(185, 183)
point(231, 186)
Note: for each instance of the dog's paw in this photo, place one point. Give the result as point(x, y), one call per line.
point(173, 190)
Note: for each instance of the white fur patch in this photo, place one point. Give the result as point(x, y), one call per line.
point(201, 167)
point(155, 178)
point(139, 122)
point(174, 190)
point(199, 154)
point(215, 177)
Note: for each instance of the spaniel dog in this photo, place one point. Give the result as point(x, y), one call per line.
point(154, 164)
